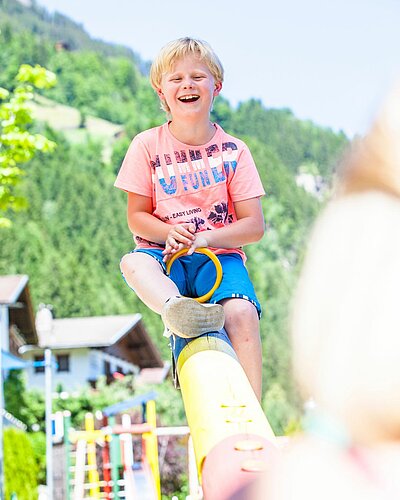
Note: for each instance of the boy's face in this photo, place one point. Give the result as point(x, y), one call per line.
point(189, 89)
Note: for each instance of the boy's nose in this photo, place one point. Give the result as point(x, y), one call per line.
point(187, 84)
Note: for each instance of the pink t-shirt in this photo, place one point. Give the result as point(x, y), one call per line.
point(197, 184)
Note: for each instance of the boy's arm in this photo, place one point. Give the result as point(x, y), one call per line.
point(142, 223)
point(248, 228)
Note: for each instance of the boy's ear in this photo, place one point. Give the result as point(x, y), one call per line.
point(217, 89)
point(160, 93)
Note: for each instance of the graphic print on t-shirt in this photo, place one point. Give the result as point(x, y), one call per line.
point(220, 216)
point(194, 169)
point(198, 184)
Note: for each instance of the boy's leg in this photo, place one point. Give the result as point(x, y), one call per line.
point(181, 315)
point(243, 327)
point(242, 310)
point(146, 277)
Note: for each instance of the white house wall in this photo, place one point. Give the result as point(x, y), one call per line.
point(81, 368)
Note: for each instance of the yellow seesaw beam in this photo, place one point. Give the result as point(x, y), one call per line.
point(232, 438)
point(219, 400)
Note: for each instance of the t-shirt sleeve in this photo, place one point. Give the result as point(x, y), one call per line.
point(135, 174)
point(245, 182)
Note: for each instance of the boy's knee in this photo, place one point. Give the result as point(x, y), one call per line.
point(138, 261)
point(240, 311)
point(126, 264)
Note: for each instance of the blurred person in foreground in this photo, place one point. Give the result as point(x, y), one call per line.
point(346, 334)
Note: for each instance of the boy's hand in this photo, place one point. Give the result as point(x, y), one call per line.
point(170, 251)
point(199, 242)
point(181, 233)
point(179, 236)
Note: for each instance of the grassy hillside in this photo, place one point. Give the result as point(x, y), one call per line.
point(77, 128)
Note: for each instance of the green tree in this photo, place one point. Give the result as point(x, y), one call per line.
point(17, 144)
point(14, 393)
point(38, 443)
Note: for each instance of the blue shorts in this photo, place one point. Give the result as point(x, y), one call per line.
point(194, 275)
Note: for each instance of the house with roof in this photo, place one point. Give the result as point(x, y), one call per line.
point(84, 348)
point(17, 315)
point(87, 348)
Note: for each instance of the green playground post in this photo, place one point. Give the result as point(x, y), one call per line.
point(115, 458)
point(67, 447)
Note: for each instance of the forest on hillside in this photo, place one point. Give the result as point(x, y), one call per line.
point(74, 232)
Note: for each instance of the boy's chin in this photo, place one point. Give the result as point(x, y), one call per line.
point(193, 111)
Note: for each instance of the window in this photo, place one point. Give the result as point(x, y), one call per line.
point(107, 372)
point(107, 368)
point(39, 368)
point(62, 362)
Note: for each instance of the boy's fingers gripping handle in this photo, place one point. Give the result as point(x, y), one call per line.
point(217, 265)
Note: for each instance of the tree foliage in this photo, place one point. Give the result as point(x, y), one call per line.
point(18, 144)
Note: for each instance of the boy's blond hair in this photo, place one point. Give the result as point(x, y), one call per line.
point(177, 49)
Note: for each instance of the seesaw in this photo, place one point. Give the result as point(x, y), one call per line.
point(232, 438)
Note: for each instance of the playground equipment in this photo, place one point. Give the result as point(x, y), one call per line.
point(115, 472)
point(233, 441)
point(142, 480)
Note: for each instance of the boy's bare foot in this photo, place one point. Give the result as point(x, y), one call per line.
point(188, 318)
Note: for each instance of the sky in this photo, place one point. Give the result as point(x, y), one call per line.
point(328, 61)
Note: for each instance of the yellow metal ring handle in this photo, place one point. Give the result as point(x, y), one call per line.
point(217, 265)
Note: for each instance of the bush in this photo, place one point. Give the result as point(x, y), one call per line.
point(20, 469)
point(38, 442)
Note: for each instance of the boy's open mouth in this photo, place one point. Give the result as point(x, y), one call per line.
point(189, 98)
